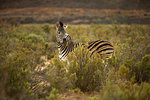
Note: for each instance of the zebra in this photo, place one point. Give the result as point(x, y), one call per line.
point(66, 45)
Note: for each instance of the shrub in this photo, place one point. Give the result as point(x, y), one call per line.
point(17, 71)
point(112, 92)
point(46, 28)
point(123, 91)
point(57, 75)
point(35, 38)
point(93, 98)
point(17, 61)
point(123, 72)
point(85, 72)
point(50, 49)
point(144, 67)
point(53, 95)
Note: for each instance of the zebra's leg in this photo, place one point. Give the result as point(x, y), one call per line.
point(105, 71)
point(67, 66)
point(66, 69)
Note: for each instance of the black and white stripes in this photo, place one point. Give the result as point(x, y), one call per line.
point(66, 45)
point(65, 48)
point(104, 48)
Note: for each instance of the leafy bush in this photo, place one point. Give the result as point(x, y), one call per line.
point(17, 62)
point(57, 75)
point(35, 38)
point(46, 28)
point(123, 72)
point(125, 92)
point(53, 95)
point(116, 89)
point(79, 71)
point(85, 72)
point(141, 68)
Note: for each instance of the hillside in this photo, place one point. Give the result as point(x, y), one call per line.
point(75, 11)
point(91, 4)
point(74, 16)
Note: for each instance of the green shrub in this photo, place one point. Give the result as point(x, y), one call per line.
point(46, 28)
point(79, 71)
point(93, 98)
point(123, 72)
point(112, 92)
point(18, 71)
point(144, 68)
point(53, 95)
point(85, 72)
point(124, 91)
point(50, 49)
point(35, 38)
point(17, 62)
point(144, 91)
point(57, 75)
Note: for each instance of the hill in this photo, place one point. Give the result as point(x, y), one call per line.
point(91, 4)
point(75, 11)
point(74, 16)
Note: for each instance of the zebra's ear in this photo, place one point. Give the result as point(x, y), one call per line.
point(59, 24)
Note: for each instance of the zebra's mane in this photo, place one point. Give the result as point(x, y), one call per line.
point(66, 47)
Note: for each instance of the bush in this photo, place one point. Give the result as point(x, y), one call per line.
point(17, 71)
point(85, 72)
point(17, 63)
point(123, 91)
point(144, 67)
point(79, 71)
point(53, 95)
point(57, 75)
point(35, 38)
point(123, 73)
point(46, 28)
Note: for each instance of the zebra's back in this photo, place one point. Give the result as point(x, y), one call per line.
point(104, 48)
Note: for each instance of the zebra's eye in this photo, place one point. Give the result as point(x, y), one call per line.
point(58, 32)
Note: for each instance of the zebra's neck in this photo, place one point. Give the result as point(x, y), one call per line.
point(65, 48)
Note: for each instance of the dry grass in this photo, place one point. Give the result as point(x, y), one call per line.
point(78, 96)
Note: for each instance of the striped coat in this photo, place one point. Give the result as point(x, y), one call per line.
point(66, 45)
point(104, 48)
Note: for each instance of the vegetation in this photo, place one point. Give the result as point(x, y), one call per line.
point(53, 95)
point(126, 77)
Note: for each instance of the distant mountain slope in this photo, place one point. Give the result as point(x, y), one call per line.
point(74, 16)
point(92, 4)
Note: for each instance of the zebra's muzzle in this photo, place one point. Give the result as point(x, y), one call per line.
point(64, 39)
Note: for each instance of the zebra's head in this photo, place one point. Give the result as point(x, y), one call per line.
point(61, 35)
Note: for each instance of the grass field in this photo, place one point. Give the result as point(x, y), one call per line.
point(30, 68)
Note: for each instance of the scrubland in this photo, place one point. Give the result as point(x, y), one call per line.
point(31, 70)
